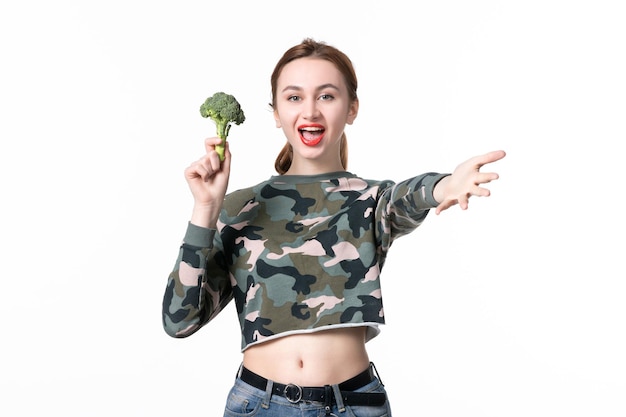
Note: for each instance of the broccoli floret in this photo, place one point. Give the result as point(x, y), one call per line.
point(224, 110)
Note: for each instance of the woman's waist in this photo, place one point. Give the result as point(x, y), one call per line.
point(314, 359)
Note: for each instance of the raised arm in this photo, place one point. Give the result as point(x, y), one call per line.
point(198, 287)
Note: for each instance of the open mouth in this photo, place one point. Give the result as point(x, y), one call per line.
point(311, 135)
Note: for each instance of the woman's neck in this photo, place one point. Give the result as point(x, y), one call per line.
point(313, 167)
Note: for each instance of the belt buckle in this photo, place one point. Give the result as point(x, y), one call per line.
point(293, 393)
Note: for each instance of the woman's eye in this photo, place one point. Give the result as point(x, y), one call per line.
point(326, 97)
point(293, 98)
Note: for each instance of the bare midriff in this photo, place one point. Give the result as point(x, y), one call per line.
point(312, 359)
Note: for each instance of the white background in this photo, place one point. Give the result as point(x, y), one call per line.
point(515, 307)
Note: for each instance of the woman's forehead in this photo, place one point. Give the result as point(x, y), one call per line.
point(307, 72)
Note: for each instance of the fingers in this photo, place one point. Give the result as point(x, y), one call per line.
point(493, 156)
point(207, 165)
point(479, 161)
point(441, 207)
point(209, 143)
point(481, 192)
point(463, 199)
point(467, 181)
point(444, 206)
point(203, 168)
point(485, 177)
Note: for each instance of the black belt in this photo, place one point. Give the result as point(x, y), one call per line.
point(295, 393)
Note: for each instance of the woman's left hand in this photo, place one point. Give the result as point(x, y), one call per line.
point(465, 182)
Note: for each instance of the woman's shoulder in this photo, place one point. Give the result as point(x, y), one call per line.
point(243, 194)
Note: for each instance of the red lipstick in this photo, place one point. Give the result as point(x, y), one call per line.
point(311, 134)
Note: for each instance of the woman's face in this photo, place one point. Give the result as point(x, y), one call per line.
point(313, 107)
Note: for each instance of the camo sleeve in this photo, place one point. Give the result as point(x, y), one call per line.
point(198, 288)
point(403, 206)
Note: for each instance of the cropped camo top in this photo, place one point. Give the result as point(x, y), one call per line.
point(297, 254)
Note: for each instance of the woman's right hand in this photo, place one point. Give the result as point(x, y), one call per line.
point(208, 181)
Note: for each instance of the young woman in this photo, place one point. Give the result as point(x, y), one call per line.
point(301, 252)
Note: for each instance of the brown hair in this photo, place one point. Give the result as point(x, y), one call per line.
point(310, 48)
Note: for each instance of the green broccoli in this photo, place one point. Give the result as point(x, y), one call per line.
point(224, 110)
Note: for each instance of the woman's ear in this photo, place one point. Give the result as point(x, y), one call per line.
point(277, 119)
point(353, 111)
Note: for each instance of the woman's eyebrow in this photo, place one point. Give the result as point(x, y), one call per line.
point(321, 87)
point(328, 85)
point(291, 87)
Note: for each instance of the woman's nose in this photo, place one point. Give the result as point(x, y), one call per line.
point(311, 111)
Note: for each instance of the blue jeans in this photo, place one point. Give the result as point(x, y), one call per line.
point(247, 401)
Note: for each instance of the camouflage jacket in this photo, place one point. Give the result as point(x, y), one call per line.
point(296, 253)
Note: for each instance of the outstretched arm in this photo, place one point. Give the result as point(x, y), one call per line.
point(465, 182)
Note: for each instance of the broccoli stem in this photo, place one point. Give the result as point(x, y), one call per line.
point(220, 149)
point(222, 133)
